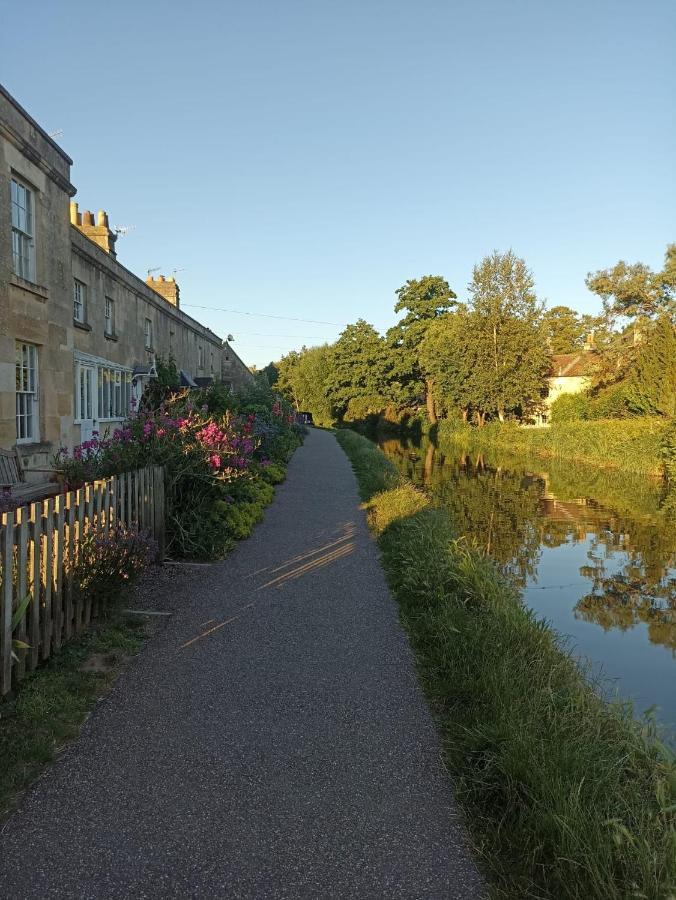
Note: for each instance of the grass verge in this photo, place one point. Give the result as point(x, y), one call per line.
point(50, 706)
point(565, 795)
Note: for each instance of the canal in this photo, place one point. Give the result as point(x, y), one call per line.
point(593, 552)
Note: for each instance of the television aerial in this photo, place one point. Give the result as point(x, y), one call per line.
point(57, 133)
point(123, 229)
point(156, 269)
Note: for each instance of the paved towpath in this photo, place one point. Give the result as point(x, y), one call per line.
point(270, 742)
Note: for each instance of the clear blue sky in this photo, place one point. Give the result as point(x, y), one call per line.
point(305, 157)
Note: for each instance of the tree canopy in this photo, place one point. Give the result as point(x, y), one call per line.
point(489, 357)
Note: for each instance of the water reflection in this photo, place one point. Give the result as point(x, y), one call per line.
point(590, 548)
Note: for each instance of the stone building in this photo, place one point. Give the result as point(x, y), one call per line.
point(570, 373)
point(79, 333)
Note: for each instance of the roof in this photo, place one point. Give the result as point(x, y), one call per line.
point(574, 365)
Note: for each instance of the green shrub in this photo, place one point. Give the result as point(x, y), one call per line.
point(610, 403)
point(273, 473)
point(570, 408)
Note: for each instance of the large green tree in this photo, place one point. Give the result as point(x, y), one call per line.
point(448, 354)
point(359, 368)
point(423, 300)
point(564, 329)
point(506, 324)
point(304, 379)
point(634, 290)
point(651, 384)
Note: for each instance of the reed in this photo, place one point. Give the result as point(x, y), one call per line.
point(644, 445)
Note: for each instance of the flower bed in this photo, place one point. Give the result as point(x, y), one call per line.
point(221, 455)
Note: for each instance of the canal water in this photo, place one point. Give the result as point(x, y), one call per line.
point(594, 552)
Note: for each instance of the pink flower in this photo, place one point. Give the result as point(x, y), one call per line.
point(215, 461)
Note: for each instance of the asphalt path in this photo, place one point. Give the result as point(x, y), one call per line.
point(271, 741)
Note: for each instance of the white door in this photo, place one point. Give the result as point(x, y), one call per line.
point(86, 399)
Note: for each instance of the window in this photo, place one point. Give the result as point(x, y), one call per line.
point(200, 357)
point(79, 301)
point(23, 245)
point(110, 317)
point(148, 334)
point(26, 393)
point(212, 364)
point(101, 391)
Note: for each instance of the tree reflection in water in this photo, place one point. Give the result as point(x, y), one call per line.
point(512, 507)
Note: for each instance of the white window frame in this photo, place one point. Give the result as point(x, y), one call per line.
point(27, 393)
point(111, 390)
point(79, 301)
point(23, 229)
point(109, 317)
point(148, 334)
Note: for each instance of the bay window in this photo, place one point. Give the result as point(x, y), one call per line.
point(102, 391)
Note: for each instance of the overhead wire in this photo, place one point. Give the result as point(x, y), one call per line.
point(241, 312)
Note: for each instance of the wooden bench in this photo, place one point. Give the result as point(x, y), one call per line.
point(13, 484)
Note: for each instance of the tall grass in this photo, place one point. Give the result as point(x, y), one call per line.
point(635, 445)
point(565, 795)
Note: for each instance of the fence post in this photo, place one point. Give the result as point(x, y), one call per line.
point(70, 557)
point(36, 582)
point(58, 571)
point(47, 573)
point(22, 585)
point(6, 603)
point(80, 500)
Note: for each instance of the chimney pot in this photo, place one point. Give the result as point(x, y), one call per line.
point(102, 218)
point(73, 213)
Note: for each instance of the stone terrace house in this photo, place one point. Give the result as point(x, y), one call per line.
point(79, 333)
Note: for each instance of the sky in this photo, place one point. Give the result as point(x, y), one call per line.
point(304, 158)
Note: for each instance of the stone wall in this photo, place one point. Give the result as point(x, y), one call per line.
point(39, 311)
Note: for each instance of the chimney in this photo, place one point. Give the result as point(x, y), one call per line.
point(166, 287)
point(98, 231)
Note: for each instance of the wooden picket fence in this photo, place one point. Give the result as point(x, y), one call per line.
point(38, 549)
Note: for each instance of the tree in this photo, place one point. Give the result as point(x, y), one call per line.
point(635, 290)
point(564, 330)
point(303, 378)
point(651, 388)
point(359, 367)
point(424, 299)
point(506, 327)
point(271, 373)
point(448, 355)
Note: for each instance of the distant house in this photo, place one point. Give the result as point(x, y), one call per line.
point(570, 373)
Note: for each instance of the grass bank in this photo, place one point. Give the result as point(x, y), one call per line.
point(565, 796)
point(50, 706)
point(646, 446)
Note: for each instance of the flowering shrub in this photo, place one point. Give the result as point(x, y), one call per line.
point(205, 451)
point(108, 561)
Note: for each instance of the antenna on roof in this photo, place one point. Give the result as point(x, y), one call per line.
point(123, 229)
point(174, 271)
point(156, 269)
point(57, 133)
